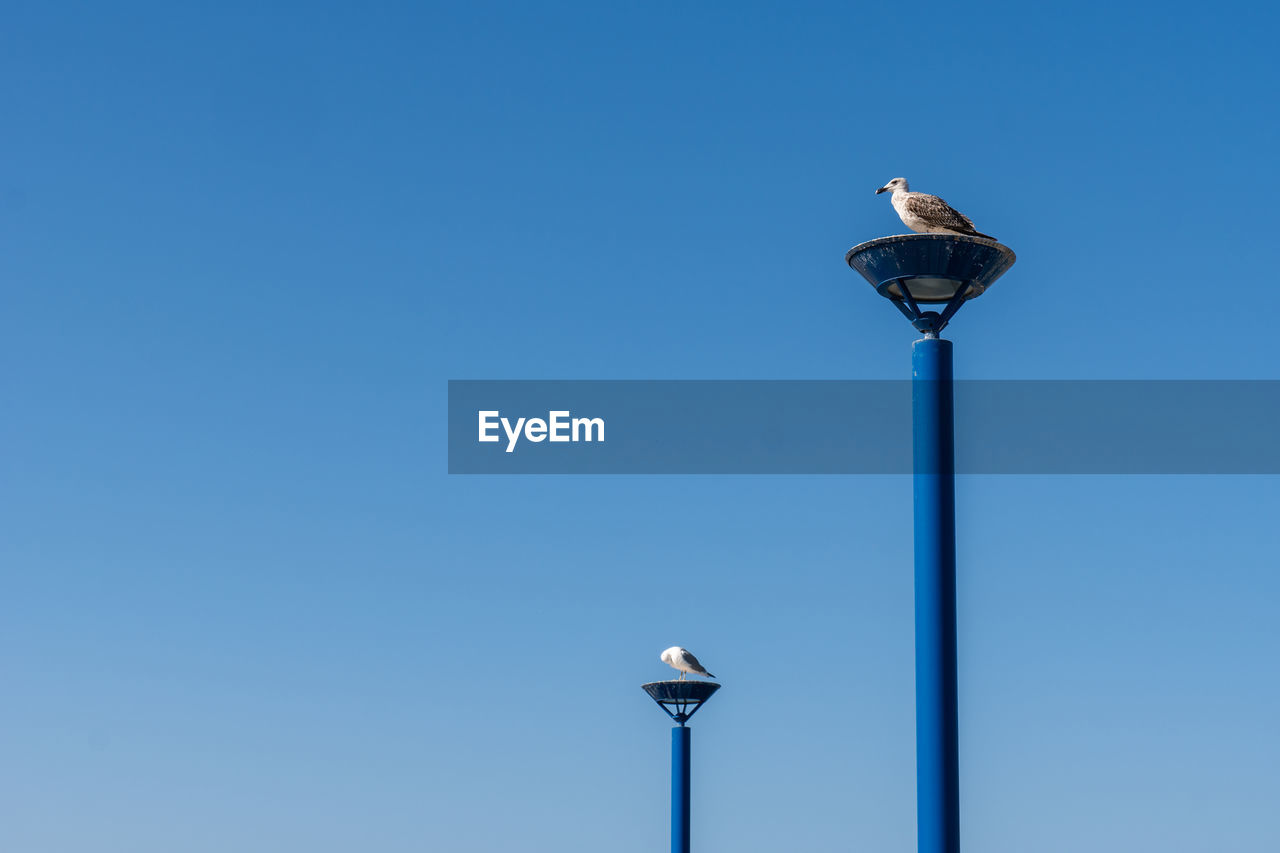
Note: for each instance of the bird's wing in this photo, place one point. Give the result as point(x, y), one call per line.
point(937, 212)
point(691, 662)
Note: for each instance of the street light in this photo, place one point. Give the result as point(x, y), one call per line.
point(912, 270)
point(680, 700)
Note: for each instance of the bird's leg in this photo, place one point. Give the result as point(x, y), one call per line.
point(682, 676)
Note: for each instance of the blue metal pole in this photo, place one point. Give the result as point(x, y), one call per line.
point(937, 762)
point(680, 736)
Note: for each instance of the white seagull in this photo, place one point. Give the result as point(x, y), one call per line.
point(928, 214)
point(683, 660)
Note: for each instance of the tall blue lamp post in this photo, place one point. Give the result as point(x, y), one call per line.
point(913, 270)
point(680, 700)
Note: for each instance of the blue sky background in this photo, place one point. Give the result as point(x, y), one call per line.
point(244, 247)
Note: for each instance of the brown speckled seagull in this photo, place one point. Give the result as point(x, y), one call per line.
point(928, 214)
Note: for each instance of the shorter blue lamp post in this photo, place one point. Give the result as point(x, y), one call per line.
point(680, 700)
point(911, 270)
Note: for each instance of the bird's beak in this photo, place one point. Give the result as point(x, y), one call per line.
point(882, 189)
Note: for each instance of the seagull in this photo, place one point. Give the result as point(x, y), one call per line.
point(928, 214)
point(683, 660)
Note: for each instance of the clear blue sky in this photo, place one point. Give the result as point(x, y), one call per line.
point(242, 250)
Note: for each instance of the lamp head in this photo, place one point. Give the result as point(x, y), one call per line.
point(911, 270)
